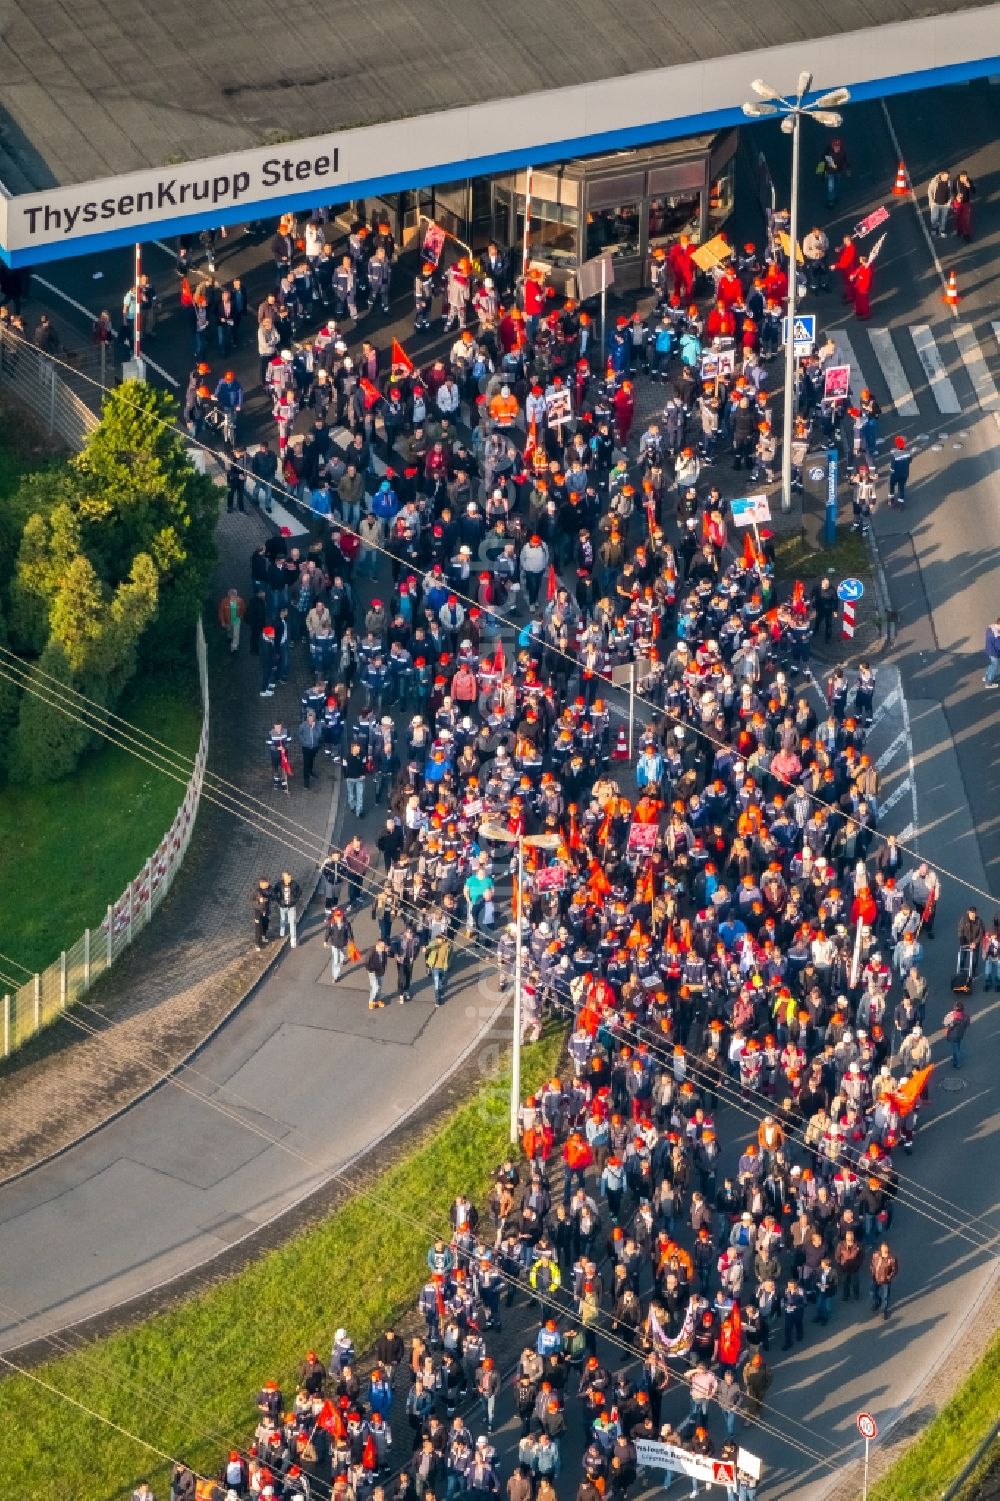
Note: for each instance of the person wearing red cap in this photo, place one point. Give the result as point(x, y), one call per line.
point(899, 471)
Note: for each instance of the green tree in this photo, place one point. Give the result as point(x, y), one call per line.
point(139, 493)
point(46, 745)
point(49, 544)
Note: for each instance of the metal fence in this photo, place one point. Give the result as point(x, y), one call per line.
point(46, 996)
point(63, 400)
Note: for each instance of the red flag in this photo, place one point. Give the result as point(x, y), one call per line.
point(749, 551)
point(499, 661)
point(550, 592)
point(372, 393)
point(798, 594)
point(905, 1098)
point(400, 359)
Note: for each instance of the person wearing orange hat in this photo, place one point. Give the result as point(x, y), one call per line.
point(457, 290)
point(680, 259)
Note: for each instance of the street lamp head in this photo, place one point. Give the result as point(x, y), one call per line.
point(827, 117)
point(832, 100)
point(805, 79)
point(759, 111)
point(788, 124)
point(764, 90)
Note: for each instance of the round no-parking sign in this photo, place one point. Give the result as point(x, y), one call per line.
point(867, 1426)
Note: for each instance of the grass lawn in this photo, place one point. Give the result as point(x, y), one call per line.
point(796, 557)
point(186, 1380)
point(929, 1466)
point(68, 848)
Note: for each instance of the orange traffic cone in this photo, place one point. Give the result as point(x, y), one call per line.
point(620, 752)
point(950, 298)
point(901, 186)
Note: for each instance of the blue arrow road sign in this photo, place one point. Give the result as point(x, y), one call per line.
point(850, 589)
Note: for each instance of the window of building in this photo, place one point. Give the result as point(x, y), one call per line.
point(613, 229)
point(672, 215)
point(552, 234)
point(721, 197)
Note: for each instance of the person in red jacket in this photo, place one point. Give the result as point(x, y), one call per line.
point(577, 1156)
point(776, 283)
point(720, 323)
point(682, 266)
point(534, 300)
point(730, 290)
point(846, 262)
point(861, 288)
point(624, 412)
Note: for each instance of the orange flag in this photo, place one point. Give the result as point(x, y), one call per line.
point(353, 953)
point(400, 359)
point(798, 594)
point(907, 1095)
point(372, 393)
point(515, 899)
point(749, 551)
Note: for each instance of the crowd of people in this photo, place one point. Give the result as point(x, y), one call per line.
point(713, 915)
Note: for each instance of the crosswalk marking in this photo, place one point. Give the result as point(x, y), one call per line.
point(895, 376)
point(890, 751)
point(895, 796)
point(930, 358)
point(975, 363)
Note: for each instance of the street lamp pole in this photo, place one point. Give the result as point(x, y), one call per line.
point(515, 1065)
point(823, 110)
point(549, 842)
point(793, 286)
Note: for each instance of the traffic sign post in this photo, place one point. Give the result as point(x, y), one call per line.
point(832, 474)
point(804, 336)
point(868, 1428)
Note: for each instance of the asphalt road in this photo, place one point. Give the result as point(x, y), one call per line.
point(170, 1183)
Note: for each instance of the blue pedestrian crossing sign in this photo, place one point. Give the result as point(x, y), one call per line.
point(850, 589)
point(805, 333)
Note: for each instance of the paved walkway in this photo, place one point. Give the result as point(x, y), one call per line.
point(196, 961)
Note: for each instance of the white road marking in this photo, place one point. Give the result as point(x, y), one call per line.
point(975, 363)
point(892, 750)
point(895, 796)
point(925, 231)
point(58, 292)
point(895, 376)
point(890, 702)
point(930, 358)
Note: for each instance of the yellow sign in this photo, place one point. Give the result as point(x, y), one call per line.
point(786, 246)
point(712, 254)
